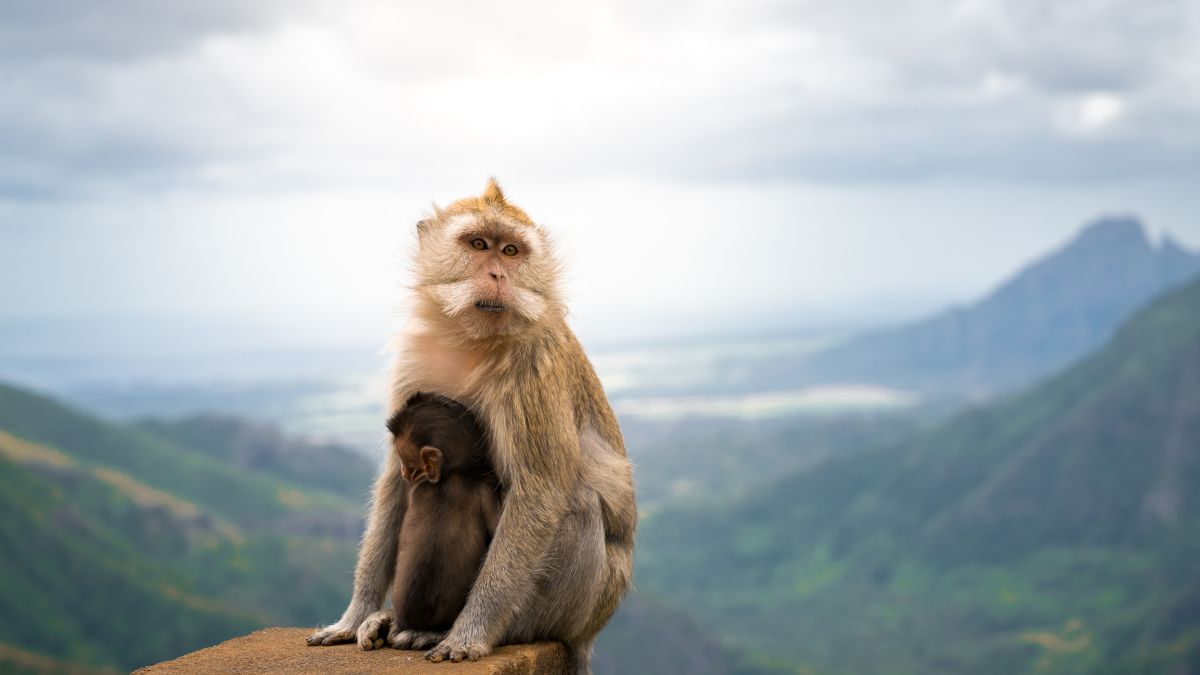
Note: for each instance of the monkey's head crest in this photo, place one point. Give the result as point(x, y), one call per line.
point(485, 268)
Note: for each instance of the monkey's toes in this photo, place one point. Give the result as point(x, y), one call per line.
point(427, 640)
point(416, 639)
point(330, 637)
point(457, 654)
point(402, 640)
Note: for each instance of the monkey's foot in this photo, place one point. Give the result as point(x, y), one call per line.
point(333, 635)
point(415, 639)
point(372, 631)
point(457, 650)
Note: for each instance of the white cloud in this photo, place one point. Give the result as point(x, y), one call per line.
point(373, 91)
point(999, 84)
point(842, 156)
point(1090, 114)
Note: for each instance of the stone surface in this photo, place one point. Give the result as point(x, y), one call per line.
point(283, 650)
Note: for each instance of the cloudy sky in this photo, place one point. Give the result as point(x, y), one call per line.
point(705, 166)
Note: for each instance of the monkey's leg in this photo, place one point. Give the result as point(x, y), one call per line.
point(617, 571)
point(614, 562)
point(376, 557)
point(584, 581)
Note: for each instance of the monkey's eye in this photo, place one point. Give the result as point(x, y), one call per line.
point(509, 250)
point(479, 244)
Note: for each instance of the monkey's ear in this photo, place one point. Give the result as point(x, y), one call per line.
point(492, 192)
point(431, 463)
point(426, 225)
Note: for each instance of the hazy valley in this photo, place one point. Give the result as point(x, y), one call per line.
point(1005, 487)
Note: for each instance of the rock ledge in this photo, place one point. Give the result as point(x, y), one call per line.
point(282, 650)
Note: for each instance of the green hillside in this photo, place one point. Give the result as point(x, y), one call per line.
point(695, 458)
point(123, 548)
point(72, 569)
point(1056, 532)
point(647, 636)
point(249, 498)
point(130, 545)
point(260, 447)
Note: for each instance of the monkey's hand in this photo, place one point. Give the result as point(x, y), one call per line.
point(457, 649)
point(372, 632)
point(331, 635)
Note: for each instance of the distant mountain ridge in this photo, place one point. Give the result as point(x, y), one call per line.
point(1056, 309)
point(1056, 531)
point(261, 447)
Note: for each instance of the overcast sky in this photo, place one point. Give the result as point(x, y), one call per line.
point(705, 166)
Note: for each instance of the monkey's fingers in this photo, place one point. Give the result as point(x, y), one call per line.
point(330, 636)
point(457, 653)
point(373, 630)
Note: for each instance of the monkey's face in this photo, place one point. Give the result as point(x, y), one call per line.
point(486, 266)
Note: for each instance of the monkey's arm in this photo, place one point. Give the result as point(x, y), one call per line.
point(376, 556)
point(490, 507)
point(544, 468)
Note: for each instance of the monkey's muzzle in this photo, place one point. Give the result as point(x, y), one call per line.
point(492, 306)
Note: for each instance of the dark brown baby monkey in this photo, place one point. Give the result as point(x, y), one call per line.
point(454, 503)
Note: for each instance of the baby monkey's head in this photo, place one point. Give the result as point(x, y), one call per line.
point(485, 267)
point(435, 436)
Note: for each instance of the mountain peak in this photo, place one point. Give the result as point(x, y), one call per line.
point(1114, 229)
point(1170, 248)
point(1055, 309)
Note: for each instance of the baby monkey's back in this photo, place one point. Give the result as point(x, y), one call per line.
point(454, 503)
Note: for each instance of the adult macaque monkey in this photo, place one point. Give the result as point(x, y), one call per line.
point(489, 330)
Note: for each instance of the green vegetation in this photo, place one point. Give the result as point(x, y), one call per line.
point(262, 448)
point(132, 545)
point(246, 497)
point(123, 548)
point(1055, 532)
point(646, 636)
point(692, 459)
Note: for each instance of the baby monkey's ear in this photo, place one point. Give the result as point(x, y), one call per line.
point(431, 463)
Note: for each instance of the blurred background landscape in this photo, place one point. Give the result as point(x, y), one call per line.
point(898, 304)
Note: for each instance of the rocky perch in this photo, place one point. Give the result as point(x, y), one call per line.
point(282, 650)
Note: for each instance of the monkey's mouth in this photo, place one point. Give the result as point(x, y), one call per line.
point(491, 306)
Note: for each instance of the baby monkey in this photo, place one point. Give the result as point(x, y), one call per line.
point(454, 503)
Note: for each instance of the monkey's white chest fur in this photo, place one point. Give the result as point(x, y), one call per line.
point(425, 364)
